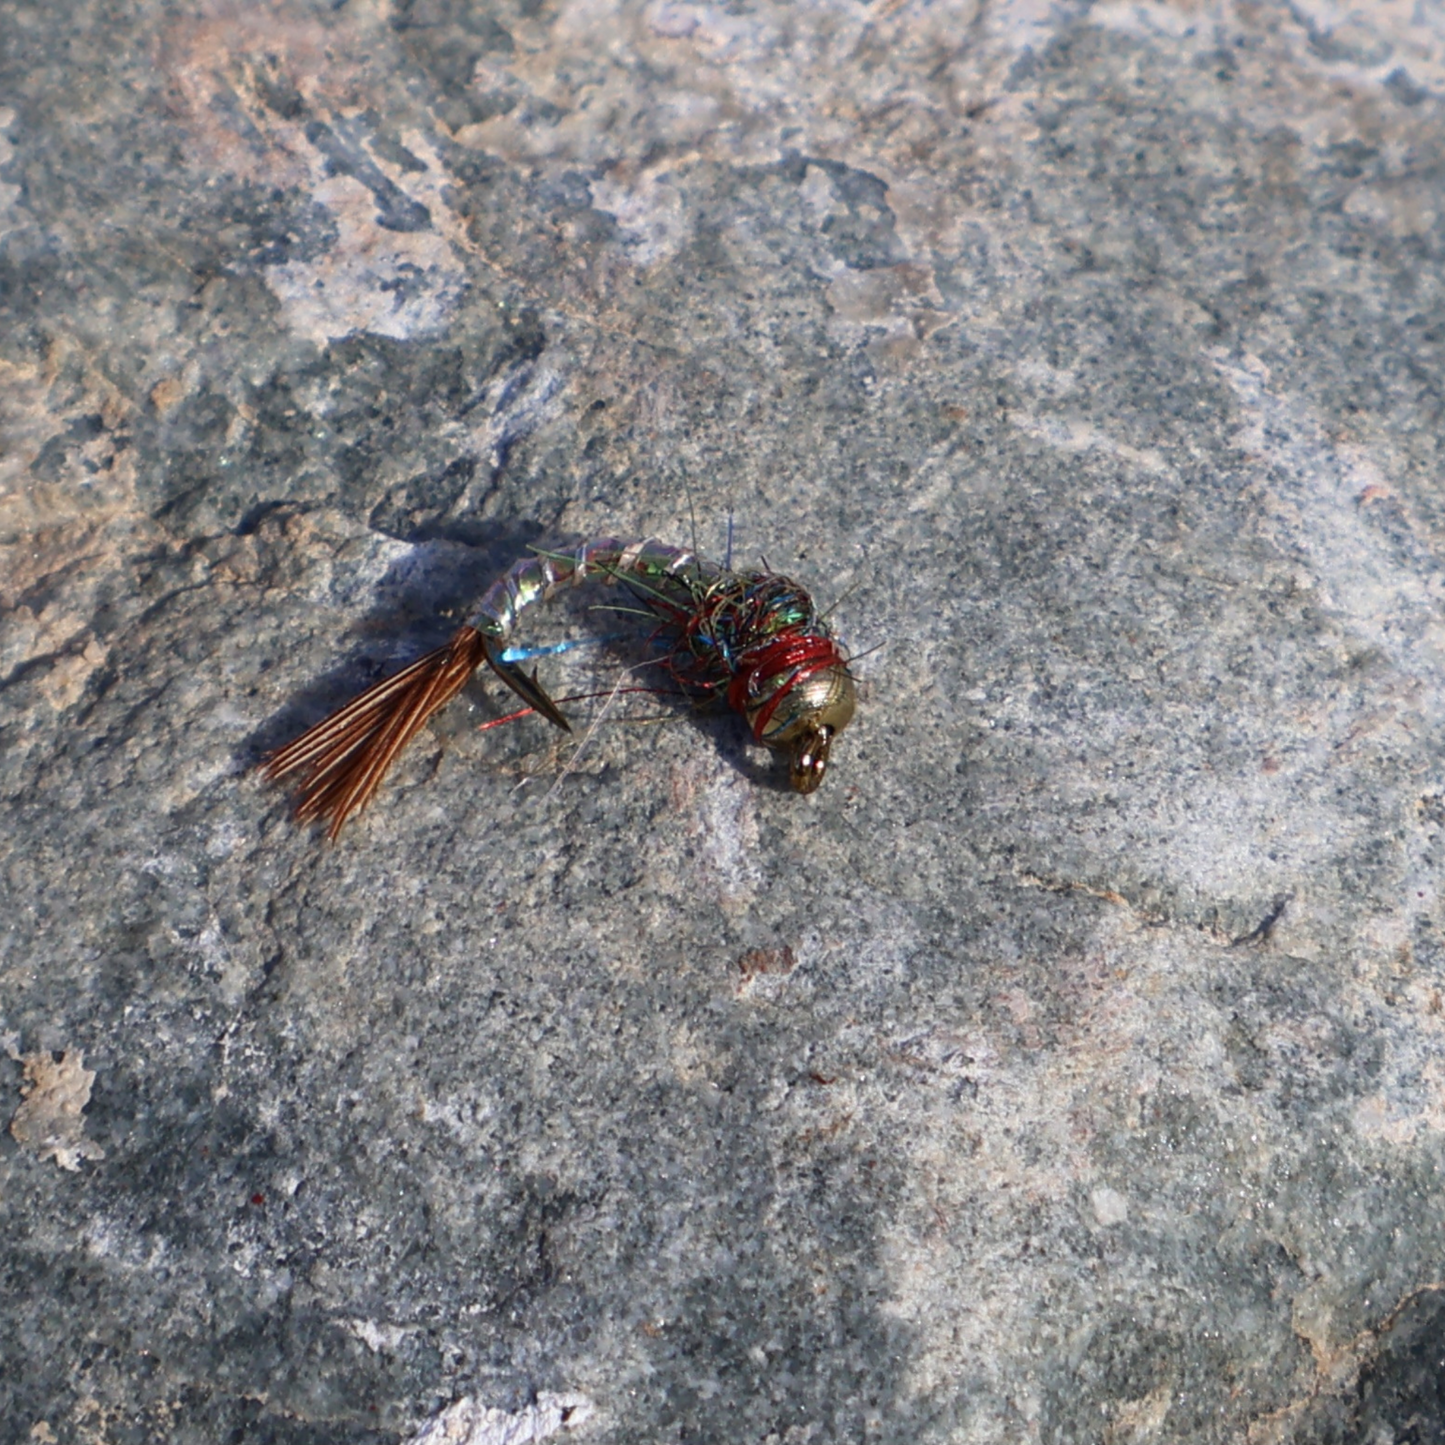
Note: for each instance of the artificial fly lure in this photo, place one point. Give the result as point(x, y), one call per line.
point(754, 639)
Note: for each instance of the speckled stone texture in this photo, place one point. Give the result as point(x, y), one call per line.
point(1069, 1068)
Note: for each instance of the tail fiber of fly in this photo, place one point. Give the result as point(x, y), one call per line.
point(343, 759)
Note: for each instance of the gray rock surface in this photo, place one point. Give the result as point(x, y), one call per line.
point(1069, 1067)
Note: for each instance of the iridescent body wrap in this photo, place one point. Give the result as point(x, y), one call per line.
point(754, 639)
point(542, 576)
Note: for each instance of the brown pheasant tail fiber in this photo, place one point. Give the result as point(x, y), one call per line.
point(343, 759)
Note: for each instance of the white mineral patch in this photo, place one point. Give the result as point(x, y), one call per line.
point(401, 284)
point(726, 824)
point(649, 213)
point(468, 1422)
point(49, 1120)
point(9, 194)
point(1109, 1206)
point(382, 1339)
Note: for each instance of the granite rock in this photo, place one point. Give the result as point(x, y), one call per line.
point(1068, 1068)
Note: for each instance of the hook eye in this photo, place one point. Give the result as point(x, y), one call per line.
point(810, 759)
